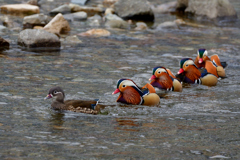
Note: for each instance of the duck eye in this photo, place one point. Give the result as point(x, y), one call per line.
point(124, 85)
point(159, 72)
point(55, 92)
point(186, 65)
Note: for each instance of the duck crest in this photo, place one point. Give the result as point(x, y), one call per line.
point(201, 52)
point(183, 61)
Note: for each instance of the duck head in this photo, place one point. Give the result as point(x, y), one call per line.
point(188, 71)
point(202, 55)
point(56, 92)
point(185, 64)
point(161, 78)
point(130, 93)
point(158, 72)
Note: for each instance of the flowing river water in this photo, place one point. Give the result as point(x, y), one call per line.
point(199, 123)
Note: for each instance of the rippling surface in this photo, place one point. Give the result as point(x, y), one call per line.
point(199, 123)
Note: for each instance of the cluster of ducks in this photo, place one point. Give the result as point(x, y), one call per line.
point(204, 70)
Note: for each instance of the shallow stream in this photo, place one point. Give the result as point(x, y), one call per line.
point(199, 123)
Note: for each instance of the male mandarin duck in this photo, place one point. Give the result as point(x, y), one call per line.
point(90, 106)
point(217, 68)
point(163, 78)
point(130, 93)
point(189, 73)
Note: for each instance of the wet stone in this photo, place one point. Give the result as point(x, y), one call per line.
point(35, 20)
point(89, 10)
point(77, 16)
point(61, 9)
point(32, 38)
point(19, 9)
point(129, 9)
point(58, 25)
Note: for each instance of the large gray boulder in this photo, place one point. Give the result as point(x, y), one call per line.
point(132, 9)
point(210, 8)
point(32, 38)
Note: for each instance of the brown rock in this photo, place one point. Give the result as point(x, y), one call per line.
point(58, 25)
point(37, 27)
point(19, 9)
point(96, 32)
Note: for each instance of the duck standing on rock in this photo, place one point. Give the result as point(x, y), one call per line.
point(91, 106)
point(217, 68)
point(189, 73)
point(130, 93)
point(163, 78)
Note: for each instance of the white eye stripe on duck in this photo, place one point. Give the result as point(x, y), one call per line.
point(129, 83)
point(205, 53)
point(160, 70)
point(188, 62)
point(126, 83)
point(56, 92)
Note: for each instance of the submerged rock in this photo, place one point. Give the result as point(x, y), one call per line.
point(129, 9)
point(72, 40)
point(96, 32)
point(19, 9)
point(170, 24)
point(35, 20)
point(32, 38)
point(3, 44)
point(58, 25)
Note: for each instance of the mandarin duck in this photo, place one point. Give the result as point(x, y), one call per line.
point(163, 78)
point(130, 93)
point(217, 68)
point(189, 73)
point(90, 106)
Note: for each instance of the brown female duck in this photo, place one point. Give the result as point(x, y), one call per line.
point(73, 105)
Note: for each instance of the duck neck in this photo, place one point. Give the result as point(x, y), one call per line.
point(60, 98)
